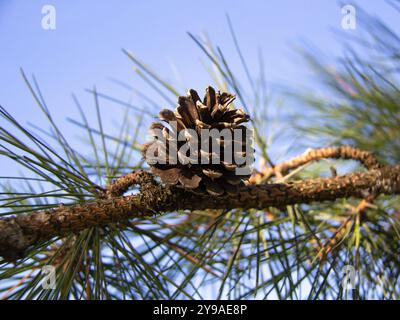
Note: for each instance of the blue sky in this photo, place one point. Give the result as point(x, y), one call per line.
point(85, 48)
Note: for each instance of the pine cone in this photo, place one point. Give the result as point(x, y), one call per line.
point(218, 176)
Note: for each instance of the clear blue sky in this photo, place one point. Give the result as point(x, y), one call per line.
point(85, 48)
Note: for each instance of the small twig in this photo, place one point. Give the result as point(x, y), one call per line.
point(337, 238)
point(122, 184)
point(367, 159)
point(20, 282)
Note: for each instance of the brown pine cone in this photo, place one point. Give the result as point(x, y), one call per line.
point(214, 112)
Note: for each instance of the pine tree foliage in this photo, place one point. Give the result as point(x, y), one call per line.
point(360, 107)
point(295, 252)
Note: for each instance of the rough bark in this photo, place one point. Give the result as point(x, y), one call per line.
point(367, 159)
point(19, 233)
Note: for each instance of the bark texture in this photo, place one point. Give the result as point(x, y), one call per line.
point(19, 233)
point(367, 159)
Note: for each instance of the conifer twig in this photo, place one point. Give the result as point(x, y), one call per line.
point(367, 159)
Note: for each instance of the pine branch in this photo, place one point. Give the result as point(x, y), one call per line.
point(122, 184)
point(19, 233)
point(367, 159)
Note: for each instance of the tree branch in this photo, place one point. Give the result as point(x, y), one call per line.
point(367, 159)
point(19, 233)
